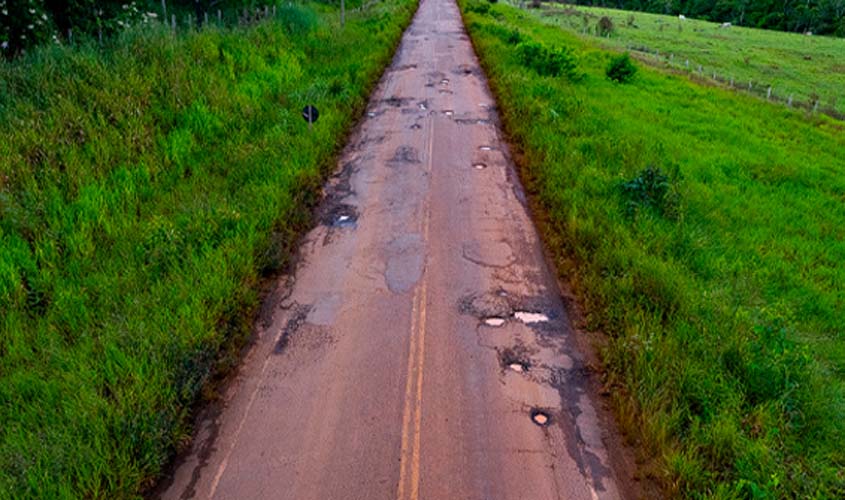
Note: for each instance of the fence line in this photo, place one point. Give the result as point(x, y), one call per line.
point(758, 89)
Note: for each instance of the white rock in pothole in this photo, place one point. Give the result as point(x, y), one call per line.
point(530, 317)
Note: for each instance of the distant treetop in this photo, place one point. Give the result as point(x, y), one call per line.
point(821, 17)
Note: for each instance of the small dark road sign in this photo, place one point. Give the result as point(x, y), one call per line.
point(310, 114)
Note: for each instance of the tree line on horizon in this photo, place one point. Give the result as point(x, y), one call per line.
point(821, 17)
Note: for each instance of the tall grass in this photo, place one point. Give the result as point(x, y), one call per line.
point(144, 190)
point(702, 230)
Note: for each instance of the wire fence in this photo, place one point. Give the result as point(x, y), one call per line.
point(813, 103)
point(762, 90)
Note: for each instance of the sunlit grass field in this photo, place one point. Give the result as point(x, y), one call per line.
point(145, 188)
point(806, 67)
point(702, 230)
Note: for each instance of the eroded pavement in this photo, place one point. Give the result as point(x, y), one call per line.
point(422, 349)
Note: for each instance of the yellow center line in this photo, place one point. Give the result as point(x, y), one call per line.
point(409, 389)
point(416, 362)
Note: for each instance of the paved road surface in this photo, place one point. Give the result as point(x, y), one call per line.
point(383, 371)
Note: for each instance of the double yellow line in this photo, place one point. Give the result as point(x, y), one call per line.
point(409, 463)
point(409, 458)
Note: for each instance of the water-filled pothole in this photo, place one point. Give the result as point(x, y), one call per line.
point(528, 317)
point(448, 112)
point(485, 148)
point(540, 417)
point(341, 215)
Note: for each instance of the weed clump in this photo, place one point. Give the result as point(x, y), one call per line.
point(547, 61)
point(621, 69)
point(652, 190)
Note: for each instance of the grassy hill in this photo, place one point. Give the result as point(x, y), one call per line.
point(145, 187)
point(806, 67)
point(702, 231)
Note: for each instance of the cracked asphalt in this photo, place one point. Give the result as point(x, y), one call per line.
point(374, 374)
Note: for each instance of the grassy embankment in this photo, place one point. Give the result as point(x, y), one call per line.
point(806, 67)
point(716, 274)
point(144, 189)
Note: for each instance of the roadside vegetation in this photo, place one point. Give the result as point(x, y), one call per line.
point(808, 68)
point(145, 188)
point(702, 231)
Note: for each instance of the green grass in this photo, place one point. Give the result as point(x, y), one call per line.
point(702, 230)
point(145, 188)
point(807, 67)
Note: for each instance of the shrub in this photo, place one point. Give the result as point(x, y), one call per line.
point(605, 26)
point(296, 19)
point(651, 189)
point(621, 69)
point(548, 61)
point(479, 8)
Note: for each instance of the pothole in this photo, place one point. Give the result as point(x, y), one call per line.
point(479, 166)
point(528, 317)
point(405, 154)
point(540, 417)
point(494, 321)
point(444, 81)
point(371, 114)
point(515, 359)
point(341, 215)
point(448, 112)
point(422, 106)
point(485, 148)
point(517, 367)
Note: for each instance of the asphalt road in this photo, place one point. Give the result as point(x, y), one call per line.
point(422, 350)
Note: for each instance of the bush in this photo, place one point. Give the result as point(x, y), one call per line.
point(651, 189)
point(621, 69)
point(605, 26)
point(296, 19)
point(559, 61)
point(479, 8)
